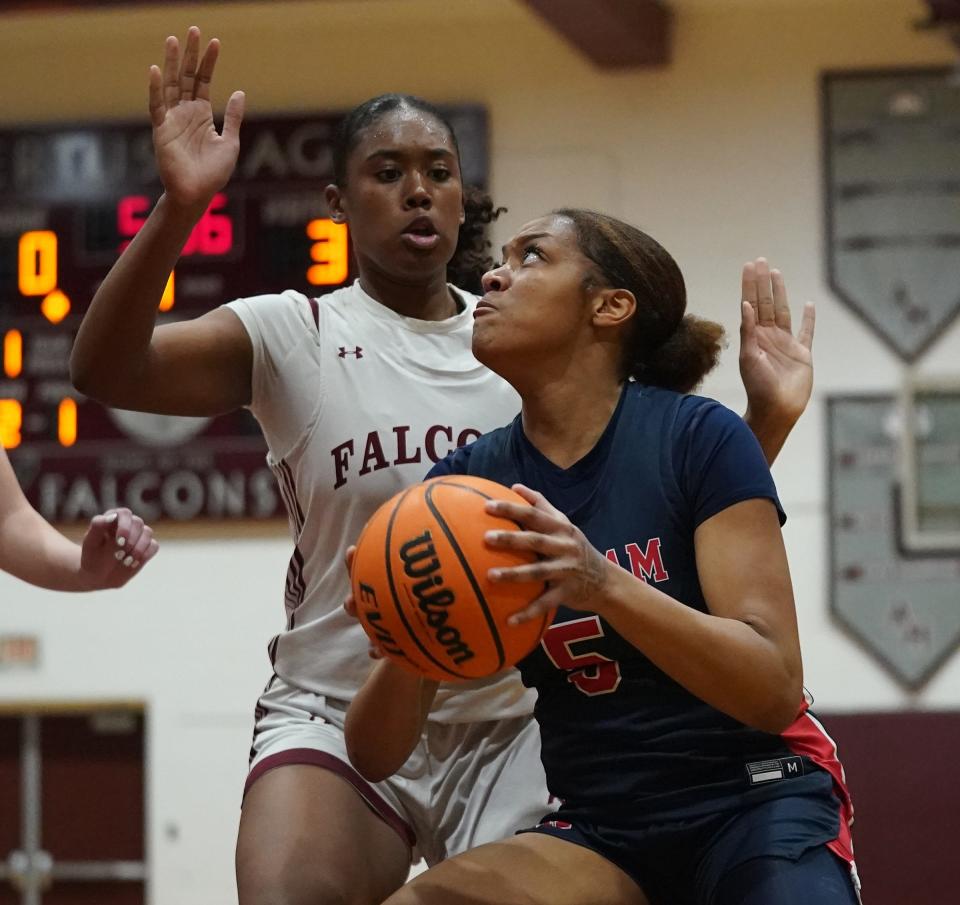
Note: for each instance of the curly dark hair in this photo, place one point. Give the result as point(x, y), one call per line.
point(471, 258)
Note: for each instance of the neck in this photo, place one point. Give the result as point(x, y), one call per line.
point(565, 419)
point(429, 299)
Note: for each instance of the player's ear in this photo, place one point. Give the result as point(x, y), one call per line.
point(613, 307)
point(335, 202)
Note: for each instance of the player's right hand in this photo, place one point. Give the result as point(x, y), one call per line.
point(194, 160)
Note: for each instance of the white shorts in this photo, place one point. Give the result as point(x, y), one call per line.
point(465, 784)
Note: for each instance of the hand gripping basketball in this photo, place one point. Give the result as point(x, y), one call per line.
point(420, 583)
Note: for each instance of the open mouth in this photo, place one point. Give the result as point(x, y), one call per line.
point(421, 233)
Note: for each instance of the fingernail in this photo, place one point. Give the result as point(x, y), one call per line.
point(121, 541)
point(136, 565)
point(513, 620)
point(127, 561)
point(494, 574)
point(118, 555)
point(111, 518)
point(492, 536)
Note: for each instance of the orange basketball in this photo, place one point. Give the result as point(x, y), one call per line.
point(420, 582)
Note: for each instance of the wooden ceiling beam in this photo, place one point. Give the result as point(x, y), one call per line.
point(613, 34)
point(943, 12)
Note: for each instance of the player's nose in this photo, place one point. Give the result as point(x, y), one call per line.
point(496, 280)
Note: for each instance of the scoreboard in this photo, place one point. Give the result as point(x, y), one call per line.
point(71, 199)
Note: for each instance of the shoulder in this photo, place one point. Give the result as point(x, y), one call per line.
point(702, 413)
point(476, 458)
point(275, 310)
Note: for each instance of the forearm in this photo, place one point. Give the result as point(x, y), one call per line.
point(771, 432)
point(113, 341)
point(37, 553)
point(728, 663)
point(386, 718)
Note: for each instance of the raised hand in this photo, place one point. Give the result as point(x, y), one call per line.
point(194, 160)
point(115, 546)
point(776, 366)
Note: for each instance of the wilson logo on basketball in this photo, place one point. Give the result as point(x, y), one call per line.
point(420, 576)
point(419, 558)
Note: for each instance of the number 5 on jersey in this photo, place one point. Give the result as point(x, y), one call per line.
point(590, 672)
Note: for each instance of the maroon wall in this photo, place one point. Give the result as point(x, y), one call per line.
point(902, 773)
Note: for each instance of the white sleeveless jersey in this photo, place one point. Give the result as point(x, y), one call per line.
point(357, 402)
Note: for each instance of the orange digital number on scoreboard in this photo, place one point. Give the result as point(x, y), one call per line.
point(37, 271)
point(11, 420)
point(329, 253)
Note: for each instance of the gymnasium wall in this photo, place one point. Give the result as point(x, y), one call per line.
point(718, 156)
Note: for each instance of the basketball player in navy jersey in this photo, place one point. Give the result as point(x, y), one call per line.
point(116, 544)
point(344, 433)
point(670, 687)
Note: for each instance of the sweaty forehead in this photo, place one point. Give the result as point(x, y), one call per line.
point(555, 227)
point(404, 128)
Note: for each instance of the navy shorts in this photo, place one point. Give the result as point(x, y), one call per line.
point(774, 852)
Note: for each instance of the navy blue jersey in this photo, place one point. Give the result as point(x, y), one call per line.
point(617, 732)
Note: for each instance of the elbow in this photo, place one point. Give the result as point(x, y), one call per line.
point(368, 764)
point(778, 718)
point(780, 709)
point(366, 755)
point(82, 375)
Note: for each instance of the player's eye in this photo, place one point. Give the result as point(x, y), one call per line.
point(388, 174)
point(440, 174)
point(529, 251)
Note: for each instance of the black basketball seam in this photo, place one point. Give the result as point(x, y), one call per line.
point(396, 600)
point(481, 599)
point(548, 615)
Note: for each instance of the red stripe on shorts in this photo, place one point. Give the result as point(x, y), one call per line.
point(807, 737)
point(377, 803)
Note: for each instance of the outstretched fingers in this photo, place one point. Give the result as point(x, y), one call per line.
point(765, 305)
point(233, 116)
point(781, 308)
point(807, 325)
point(171, 72)
point(205, 70)
point(158, 108)
point(748, 326)
point(188, 65)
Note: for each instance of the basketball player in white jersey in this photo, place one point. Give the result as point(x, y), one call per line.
point(116, 544)
point(358, 393)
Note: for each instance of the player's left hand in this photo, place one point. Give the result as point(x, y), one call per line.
point(572, 569)
point(117, 544)
point(350, 605)
point(776, 366)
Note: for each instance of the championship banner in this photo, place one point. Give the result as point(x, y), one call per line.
point(892, 174)
point(903, 606)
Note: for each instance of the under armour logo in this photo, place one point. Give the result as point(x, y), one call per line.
point(344, 352)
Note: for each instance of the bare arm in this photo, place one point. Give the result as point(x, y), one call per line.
point(199, 367)
point(387, 714)
point(742, 657)
point(776, 366)
point(386, 718)
point(32, 550)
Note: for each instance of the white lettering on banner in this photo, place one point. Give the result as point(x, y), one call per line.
point(179, 495)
